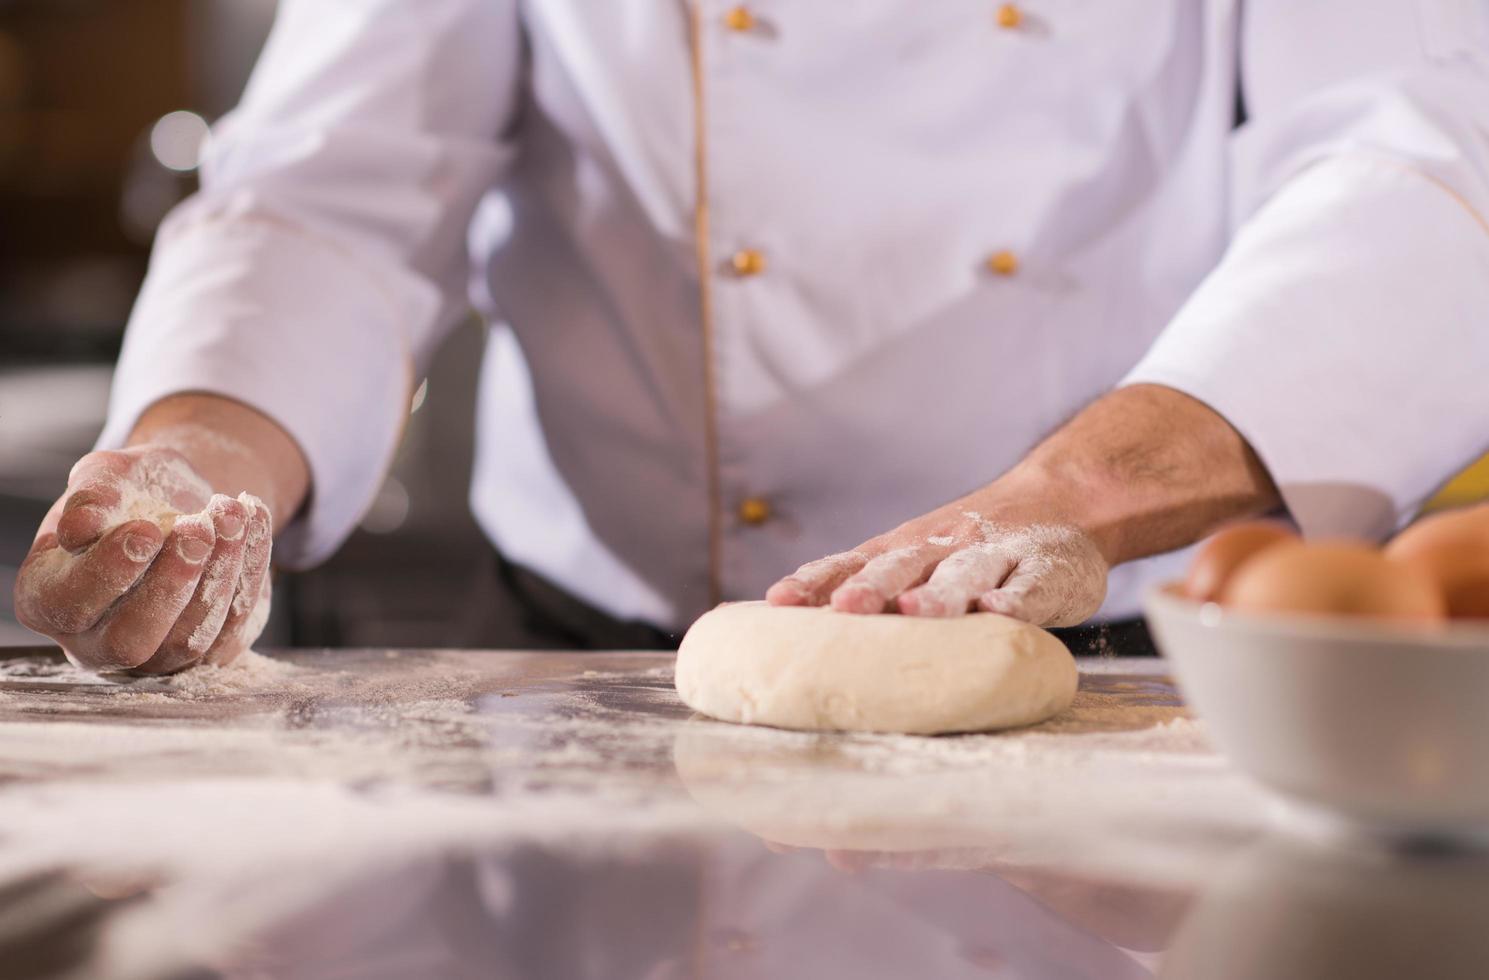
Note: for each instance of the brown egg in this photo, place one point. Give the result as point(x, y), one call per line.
point(1453, 549)
point(1333, 577)
point(1225, 551)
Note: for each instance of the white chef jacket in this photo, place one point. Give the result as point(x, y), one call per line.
point(764, 281)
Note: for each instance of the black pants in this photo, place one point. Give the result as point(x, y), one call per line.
point(515, 609)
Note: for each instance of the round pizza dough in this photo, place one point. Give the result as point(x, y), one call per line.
point(819, 670)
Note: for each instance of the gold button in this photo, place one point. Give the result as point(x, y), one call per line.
point(1004, 263)
point(754, 511)
point(747, 262)
point(739, 19)
point(1010, 16)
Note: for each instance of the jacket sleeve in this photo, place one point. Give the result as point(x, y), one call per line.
point(1345, 332)
point(324, 257)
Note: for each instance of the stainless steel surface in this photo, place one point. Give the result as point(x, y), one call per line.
point(1380, 724)
point(440, 813)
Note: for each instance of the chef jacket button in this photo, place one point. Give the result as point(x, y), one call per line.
point(1004, 263)
point(735, 941)
point(739, 19)
point(747, 262)
point(1009, 16)
point(754, 511)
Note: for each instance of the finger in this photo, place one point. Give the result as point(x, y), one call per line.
point(885, 577)
point(135, 628)
point(1027, 594)
point(61, 594)
point(251, 630)
point(812, 583)
point(88, 512)
point(1020, 599)
point(956, 583)
point(241, 619)
point(200, 622)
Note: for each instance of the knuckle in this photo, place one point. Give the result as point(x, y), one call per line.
point(122, 647)
point(115, 656)
point(69, 622)
point(173, 655)
point(27, 616)
point(41, 606)
point(49, 618)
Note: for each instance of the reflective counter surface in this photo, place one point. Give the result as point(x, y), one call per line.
point(495, 814)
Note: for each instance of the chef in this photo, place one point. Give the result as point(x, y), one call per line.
point(766, 280)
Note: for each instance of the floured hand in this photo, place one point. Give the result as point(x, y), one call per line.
point(140, 566)
point(1026, 563)
point(1142, 470)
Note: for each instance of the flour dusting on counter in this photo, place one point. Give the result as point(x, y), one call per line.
point(439, 747)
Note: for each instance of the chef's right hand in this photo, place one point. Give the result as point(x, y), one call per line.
point(121, 593)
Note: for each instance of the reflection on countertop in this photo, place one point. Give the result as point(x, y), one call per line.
point(456, 813)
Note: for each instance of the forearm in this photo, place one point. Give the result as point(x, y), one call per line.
point(233, 447)
point(1143, 470)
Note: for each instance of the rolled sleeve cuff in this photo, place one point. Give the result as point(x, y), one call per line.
point(1342, 337)
point(297, 330)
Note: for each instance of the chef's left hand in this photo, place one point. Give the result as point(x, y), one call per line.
point(1142, 470)
point(1020, 554)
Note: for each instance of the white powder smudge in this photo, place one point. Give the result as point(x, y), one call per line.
point(159, 492)
point(257, 534)
point(253, 626)
point(216, 590)
point(137, 504)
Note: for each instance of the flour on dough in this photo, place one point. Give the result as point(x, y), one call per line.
point(815, 669)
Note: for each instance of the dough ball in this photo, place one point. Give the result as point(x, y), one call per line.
point(819, 670)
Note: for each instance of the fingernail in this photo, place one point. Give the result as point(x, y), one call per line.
point(140, 547)
point(229, 527)
point(193, 550)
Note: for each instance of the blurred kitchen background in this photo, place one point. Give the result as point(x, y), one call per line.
point(103, 105)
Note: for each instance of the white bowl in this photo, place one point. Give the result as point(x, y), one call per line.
point(1384, 724)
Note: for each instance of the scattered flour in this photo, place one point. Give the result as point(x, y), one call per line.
point(460, 741)
point(250, 672)
point(137, 503)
